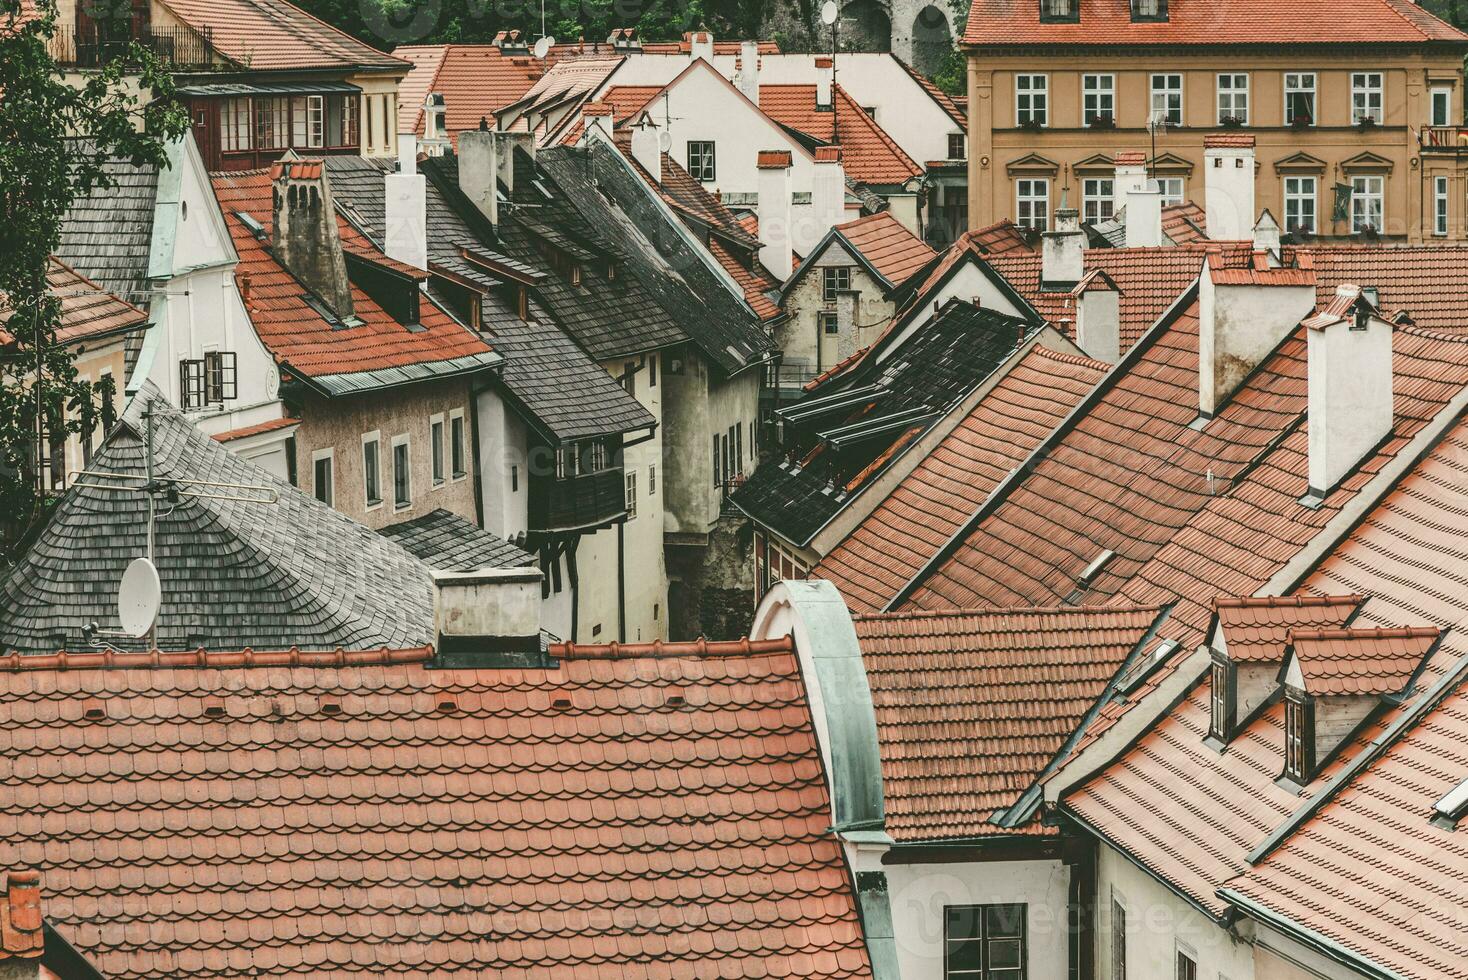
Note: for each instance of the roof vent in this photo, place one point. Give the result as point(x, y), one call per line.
point(252, 226)
point(331, 707)
point(214, 707)
point(1447, 811)
point(561, 704)
point(1147, 666)
point(1088, 575)
point(447, 704)
point(676, 701)
point(93, 711)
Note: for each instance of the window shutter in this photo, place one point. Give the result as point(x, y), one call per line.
point(191, 383)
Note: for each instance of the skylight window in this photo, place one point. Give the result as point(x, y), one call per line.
point(1146, 666)
point(1451, 808)
point(1088, 575)
point(252, 226)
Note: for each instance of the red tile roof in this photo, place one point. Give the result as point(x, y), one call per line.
point(754, 283)
point(260, 428)
point(973, 706)
point(868, 154)
point(620, 816)
point(772, 159)
point(21, 934)
point(1225, 141)
point(270, 35)
point(476, 81)
point(1430, 282)
point(295, 333)
point(885, 242)
point(87, 310)
point(1257, 630)
point(1184, 223)
point(932, 502)
point(1004, 22)
point(1360, 661)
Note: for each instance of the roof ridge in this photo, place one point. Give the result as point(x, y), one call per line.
point(1277, 601)
point(659, 649)
point(203, 659)
point(1003, 611)
point(1080, 360)
point(1366, 633)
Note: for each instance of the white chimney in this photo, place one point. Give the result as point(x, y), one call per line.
point(1266, 236)
point(1243, 314)
point(1350, 386)
point(746, 76)
point(491, 610)
point(598, 115)
point(1063, 254)
point(647, 148)
point(1144, 216)
point(828, 193)
point(1131, 174)
point(1228, 183)
point(1098, 316)
point(479, 171)
point(406, 237)
point(774, 212)
point(825, 79)
point(701, 45)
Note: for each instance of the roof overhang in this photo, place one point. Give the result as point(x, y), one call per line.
point(227, 89)
point(359, 382)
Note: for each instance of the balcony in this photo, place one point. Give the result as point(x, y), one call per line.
point(176, 46)
point(577, 502)
point(1445, 139)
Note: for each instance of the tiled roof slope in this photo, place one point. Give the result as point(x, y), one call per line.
point(1369, 872)
point(87, 311)
point(21, 934)
point(1001, 22)
point(107, 235)
point(297, 335)
point(927, 507)
point(1360, 661)
point(1257, 629)
point(290, 574)
point(1429, 282)
point(868, 154)
point(972, 706)
point(1185, 223)
point(273, 35)
point(570, 396)
point(886, 243)
point(476, 81)
point(618, 817)
point(445, 541)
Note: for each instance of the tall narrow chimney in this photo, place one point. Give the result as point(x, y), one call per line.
point(846, 340)
point(1350, 384)
point(1144, 216)
point(1228, 183)
point(303, 233)
point(1098, 316)
point(746, 74)
point(1063, 255)
point(647, 148)
point(828, 193)
point(701, 45)
point(407, 223)
point(1131, 174)
point(774, 212)
point(479, 171)
point(825, 80)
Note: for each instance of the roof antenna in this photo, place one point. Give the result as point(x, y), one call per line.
point(830, 13)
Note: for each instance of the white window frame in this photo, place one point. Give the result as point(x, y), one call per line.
point(1440, 201)
point(1378, 194)
point(1166, 93)
point(1100, 192)
point(438, 459)
point(630, 496)
point(1232, 97)
point(375, 436)
point(1027, 198)
point(1301, 83)
point(652, 479)
point(1295, 196)
point(1174, 190)
point(237, 124)
point(1368, 96)
point(1182, 952)
point(835, 279)
point(457, 476)
point(1098, 99)
point(1032, 100)
point(330, 456)
point(1441, 97)
point(406, 442)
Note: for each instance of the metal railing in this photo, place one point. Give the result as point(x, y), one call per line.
point(178, 46)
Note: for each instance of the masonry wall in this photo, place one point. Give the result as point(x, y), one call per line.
point(802, 339)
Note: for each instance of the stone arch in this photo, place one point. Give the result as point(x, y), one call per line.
point(866, 25)
point(932, 40)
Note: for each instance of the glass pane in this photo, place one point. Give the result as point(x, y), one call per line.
point(1005, 920)
point(962, 922)
point(965, 956)
point(1005, 953)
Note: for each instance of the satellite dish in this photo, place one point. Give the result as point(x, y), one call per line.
point(542, 47)
point(139, 597)
point(829, 12)
point(665, 141)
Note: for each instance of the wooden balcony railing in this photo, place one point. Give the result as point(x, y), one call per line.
point(177, 46)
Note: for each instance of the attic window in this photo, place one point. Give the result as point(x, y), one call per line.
point(1222, 700)
point(1060, 11)
point(252, 226)
point(575, 275)
point(1447, 811)
point(1149, 10)
point(1147, 666)
point(1299, 737)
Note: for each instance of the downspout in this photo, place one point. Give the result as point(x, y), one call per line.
point(570, 553)
point(478, 482)
point(621, 583)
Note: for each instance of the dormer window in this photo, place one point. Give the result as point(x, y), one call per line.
point(1299, 737)
point(1222, 717)
point(1149, 10)
point(1060, 11)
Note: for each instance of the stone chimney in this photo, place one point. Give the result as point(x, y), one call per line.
point(507, 144)
point(1063, 254)
point(407, 223)
point(647, 148)
point(1266, 237)
point(1131, 174)
point(828, 192)
point(1228, 183)
point(1350, 385)
point(1243, 314)
point(1144, 216)
point(774, 212)
point(746, 70)
point(479, 171)
point(304, 235)
point(492, 610)
point(701, 45)
point(1098, 316)
point(825, 80)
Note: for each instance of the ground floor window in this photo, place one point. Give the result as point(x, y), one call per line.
point(984, 942)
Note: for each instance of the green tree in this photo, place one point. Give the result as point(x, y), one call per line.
point(43, 169)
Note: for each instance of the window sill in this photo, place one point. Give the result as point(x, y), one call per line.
point(399, 508)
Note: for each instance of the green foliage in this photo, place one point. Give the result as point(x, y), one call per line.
point(42, 171)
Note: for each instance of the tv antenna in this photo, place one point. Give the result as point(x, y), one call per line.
point(140, 594)
point(1156, 123)
point(830, 14)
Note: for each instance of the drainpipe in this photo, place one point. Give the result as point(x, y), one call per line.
point(621, 583)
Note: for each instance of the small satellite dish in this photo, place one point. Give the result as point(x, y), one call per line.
point(542, 47)
point(665, 141)
point(139, 597)
point(829, 12)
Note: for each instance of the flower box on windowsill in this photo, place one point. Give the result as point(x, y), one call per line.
point(1300, 123)
point(1032, 125)
point(1363, 123)
point(1102, 121)
point(1233, 122)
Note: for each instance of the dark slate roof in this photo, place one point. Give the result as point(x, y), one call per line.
point(107, 235)
point(267, 576)
point(924, 376)
point(567, 394)
point(449, 543)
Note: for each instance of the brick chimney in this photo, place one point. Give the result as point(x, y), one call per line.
point(1098, 316)
point(774, 212)
point(304, 234)
point(747, 69)
point(479, 171)
point(407, 224)
point(1350, 385)
point(647, 147)
point(1228, 183)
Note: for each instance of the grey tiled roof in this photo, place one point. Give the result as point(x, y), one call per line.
point(557, 383)
point(235, 575)
point(447, 542)
point(107, 235)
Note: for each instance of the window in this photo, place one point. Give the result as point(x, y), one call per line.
point(629, 378)
point(652, 479)
point(984, 942)
point(1098, 199)
point(1440, 206)
point(402, 489)
point(1299, 737)
point(1032, 203)
point(308, 122)
point(1118, 940)
point(371, 473)
point(718, 469)
point(738, 431)
point(221, 378)
point(1167, 99)
point(701, 159)
point(1299, 201)
point(234, 125)
point(598, 457)
point(435, 445)
point(1233, 99)
point(1366, 203)
point(830, 324)
point(457, 461)
point(514, 479)
point(652, 370)
point(632, 495)
point(834, 279)
point(1221, 721)
point(1366, 90)
point(1149, 10)
point(1031, 100)
point(1059, 10)
point(568, 463)
point(1442, 106)
point(323, 483)
point(272, 123)
point(1098, 99)
point(1299, 93)
point(1174, 190)
point(191, 384)
point(1187, 965)
point(956, 148)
